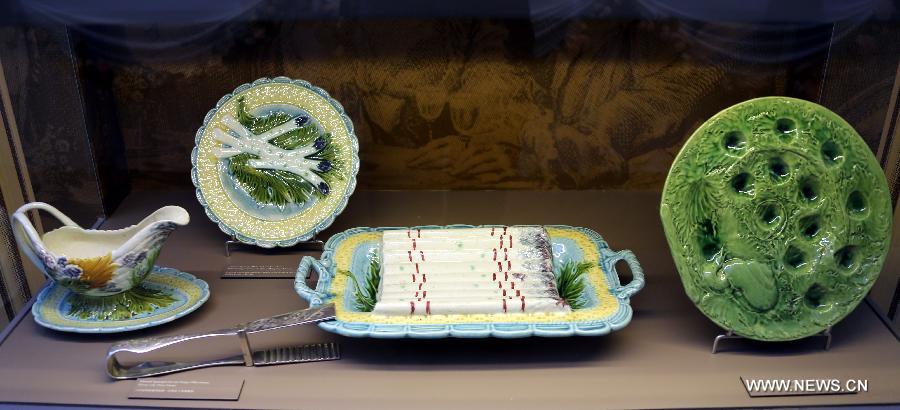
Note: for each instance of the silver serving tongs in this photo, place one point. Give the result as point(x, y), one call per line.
point(307, 353)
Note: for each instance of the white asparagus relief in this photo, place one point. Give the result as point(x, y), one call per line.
point(467, 271)
point(270, 156)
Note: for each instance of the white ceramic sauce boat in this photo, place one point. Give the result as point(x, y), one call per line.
point(96, 262)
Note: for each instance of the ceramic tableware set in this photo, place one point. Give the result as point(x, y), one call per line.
point(804, 238)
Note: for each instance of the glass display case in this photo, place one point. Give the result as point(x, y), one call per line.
point(298, 133)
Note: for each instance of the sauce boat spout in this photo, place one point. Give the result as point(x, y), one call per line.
point(151, 232)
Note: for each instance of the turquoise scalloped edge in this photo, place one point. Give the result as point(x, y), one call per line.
point(200, 283)
point(351, 183)
point(608, 259)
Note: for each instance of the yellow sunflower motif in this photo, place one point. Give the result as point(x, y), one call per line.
point(96, 271)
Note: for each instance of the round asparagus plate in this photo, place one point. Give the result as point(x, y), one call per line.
point(275, 162)
point(468, 281)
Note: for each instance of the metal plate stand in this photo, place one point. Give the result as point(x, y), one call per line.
point(731, 336)
point(313, 244)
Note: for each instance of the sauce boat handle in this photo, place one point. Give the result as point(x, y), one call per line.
point(26, 236)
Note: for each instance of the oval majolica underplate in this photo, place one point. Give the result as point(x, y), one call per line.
point(172, 294)
point(275, 162)
point(778, 217)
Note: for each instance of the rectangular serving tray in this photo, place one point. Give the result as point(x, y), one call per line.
point(606, 302)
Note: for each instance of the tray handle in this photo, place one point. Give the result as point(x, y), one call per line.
point(315, 296)
point(637, 280)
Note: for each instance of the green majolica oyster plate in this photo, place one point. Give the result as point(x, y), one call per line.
point(778, 218)
point(275, 162)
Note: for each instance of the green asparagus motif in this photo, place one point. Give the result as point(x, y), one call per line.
point(366, 294)
point(570, 282)
point(122, 306)
point(279, 159)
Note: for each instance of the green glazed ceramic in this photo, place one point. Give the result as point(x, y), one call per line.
point(778, 218)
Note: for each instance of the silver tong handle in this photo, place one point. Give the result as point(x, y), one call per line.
point(148, 344)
